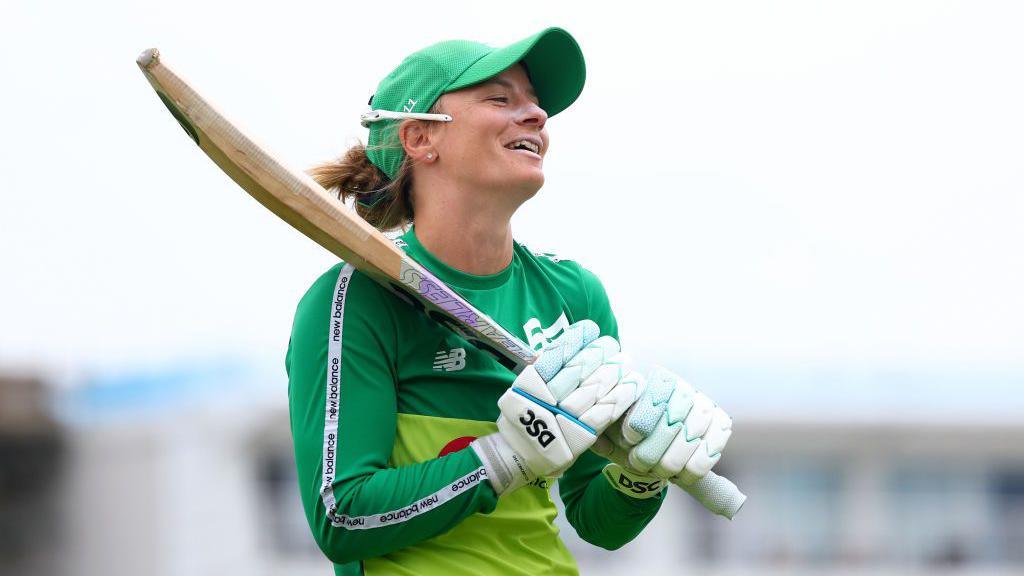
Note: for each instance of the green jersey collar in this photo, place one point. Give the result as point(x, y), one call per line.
point(452, 276)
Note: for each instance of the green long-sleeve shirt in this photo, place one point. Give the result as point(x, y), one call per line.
point(384, 401)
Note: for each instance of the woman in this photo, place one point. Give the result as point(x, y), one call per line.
point(402, 467)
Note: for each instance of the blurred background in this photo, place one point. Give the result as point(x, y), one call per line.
point(811, 210)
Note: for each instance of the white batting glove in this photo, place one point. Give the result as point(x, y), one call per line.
point(557, 407)
point(672, 432)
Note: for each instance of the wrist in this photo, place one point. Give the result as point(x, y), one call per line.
point(506, 468)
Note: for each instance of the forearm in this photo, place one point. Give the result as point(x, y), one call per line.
point(392, 508)
point(601, 514)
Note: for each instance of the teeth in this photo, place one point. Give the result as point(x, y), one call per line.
point(525, 144)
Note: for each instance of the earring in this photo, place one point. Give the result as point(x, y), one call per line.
point(430, 155)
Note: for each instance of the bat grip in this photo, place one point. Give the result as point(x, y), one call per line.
point(717, 493)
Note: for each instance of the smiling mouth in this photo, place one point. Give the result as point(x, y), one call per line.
point(524, 146)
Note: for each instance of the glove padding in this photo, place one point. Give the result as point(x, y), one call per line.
point(557, 407)
point(672, 432)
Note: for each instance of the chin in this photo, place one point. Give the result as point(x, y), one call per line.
point(523, 188)
point(518, 181)
point(534, 175)
point(532, 184)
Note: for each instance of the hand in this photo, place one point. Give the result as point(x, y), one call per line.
point(672, 432)
point(557, 407)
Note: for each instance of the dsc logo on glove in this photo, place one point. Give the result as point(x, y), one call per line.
point(537, 428)
point(639, 487)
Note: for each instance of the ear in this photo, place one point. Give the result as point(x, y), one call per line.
point(416, 140)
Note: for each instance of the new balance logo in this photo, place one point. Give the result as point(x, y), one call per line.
point(451, 361)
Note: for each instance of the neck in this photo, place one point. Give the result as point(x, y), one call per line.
point(466, 230)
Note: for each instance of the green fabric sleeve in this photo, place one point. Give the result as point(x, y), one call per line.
point(599, 308)
point(598, 512)
point(366, 508)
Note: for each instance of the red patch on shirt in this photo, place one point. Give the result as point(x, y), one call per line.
point(456, 445)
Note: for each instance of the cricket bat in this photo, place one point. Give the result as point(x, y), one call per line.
point(301, 202)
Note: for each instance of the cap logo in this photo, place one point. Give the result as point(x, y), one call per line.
point(408, 107)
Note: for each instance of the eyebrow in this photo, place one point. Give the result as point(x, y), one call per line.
point(507, 84)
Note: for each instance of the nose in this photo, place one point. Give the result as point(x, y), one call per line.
point(533, 115)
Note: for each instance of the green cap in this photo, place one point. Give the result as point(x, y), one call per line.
point(552, 58)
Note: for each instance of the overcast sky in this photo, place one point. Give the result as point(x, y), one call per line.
point(786, 183)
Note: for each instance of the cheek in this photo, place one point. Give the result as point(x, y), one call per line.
point(478, 138)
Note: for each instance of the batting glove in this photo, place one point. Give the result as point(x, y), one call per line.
point(557, 407)
point(672, 432)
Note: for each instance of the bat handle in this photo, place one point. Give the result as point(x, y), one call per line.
point(717, 493)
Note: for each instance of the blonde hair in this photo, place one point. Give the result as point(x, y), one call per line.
point(384, 202)
point(352, 175)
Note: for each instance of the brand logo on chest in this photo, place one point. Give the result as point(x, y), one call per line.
point(537, 337)
point(450, 360)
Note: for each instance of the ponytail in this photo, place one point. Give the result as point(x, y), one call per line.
point(386, 204)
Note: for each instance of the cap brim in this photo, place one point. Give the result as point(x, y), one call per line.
point(553, 60)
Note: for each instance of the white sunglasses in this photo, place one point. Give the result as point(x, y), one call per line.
point(371, 116)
